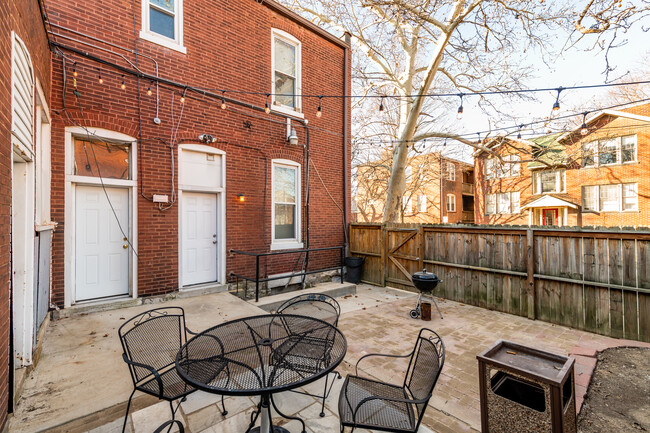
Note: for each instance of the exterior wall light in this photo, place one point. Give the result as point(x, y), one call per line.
point(241, 197)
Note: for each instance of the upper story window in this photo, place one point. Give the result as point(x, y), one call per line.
point(610, 198)
point(545, 182)
point(611, 151)
point(451, 171)
point(422, 203)
point(502, 203)
point(407, 204)
point(287, 70)
point(451, 203)
point(162, 23)
point(286, 205)
point(509, 168)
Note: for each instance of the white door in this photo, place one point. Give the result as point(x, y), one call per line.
point(101, 250)
point(199, 238)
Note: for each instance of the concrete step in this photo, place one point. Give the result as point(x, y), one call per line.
point(335, 290)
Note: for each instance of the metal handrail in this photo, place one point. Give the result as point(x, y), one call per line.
point(259, 280)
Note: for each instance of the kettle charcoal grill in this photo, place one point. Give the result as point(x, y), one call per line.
point(425, 282)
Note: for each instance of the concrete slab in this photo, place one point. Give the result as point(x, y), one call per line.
point(335, 290)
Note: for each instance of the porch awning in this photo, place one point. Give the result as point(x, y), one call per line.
point(549, 201)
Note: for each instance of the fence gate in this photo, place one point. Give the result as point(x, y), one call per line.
point(403, 254)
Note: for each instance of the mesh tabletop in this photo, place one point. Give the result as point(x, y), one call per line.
point(258, 354)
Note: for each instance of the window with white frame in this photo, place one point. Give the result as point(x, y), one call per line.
point(451, 203)
point(510, 167)
point(489, 168)
point(610, 198)
point(502, 203)
point(407, 204)
point(286, 203)
point(610, 151)
point(546, 182)
point(286, 69)
point(451, 171)
point(422, 203)
point(162, 23)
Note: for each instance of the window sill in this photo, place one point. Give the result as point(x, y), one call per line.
point(159, 40)
point(288, 111)
point(617, 164)
point(286, 246)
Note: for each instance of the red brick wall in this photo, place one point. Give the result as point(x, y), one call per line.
point(228, 47)
point(23, 17)
point(456, 188)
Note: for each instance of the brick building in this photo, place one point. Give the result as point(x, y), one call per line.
point(429, 177)
point(25, 227)
point(593, 176)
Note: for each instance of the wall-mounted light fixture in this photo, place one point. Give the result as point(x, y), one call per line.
point(241, 197)
point(292, 136)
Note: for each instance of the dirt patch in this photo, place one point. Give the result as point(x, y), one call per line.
point(617, 398)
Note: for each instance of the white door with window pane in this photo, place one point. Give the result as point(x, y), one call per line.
point(199, 242)
point(101, 249)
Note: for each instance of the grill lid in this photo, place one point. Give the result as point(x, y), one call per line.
point(425, 276)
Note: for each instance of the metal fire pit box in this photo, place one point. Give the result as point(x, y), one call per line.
point(526, 390)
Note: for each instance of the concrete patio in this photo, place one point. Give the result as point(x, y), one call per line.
point(81, 383)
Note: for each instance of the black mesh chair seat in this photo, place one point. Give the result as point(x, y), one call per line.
point(303, 354)
point(173, 386)
point(376, 405)
point(375, 413)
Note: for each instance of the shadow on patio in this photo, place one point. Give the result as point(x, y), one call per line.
point(82, 384)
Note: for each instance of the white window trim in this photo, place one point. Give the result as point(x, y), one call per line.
point(560, 179)
point(496, 195)
point(72, 180)
point(451, 202)
point(287, 37)
point(493, 169)
point(619, 198)
point(286, 244)
point(151, 36)
point(451, 172)
point(422, 203)
point(619, 151)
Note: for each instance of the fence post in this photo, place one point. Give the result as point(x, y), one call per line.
point(384, 243)
point(257, 278)
point(421, 247)
point(530, 271)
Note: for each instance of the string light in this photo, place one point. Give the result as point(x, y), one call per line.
point(319, 112)
point(445, 143)
point(183, 96)
point(99, 75)
point(381, 104)
point(123, 85)
point(74, 70)
point(460, 107)
point(519, 133)
point(149, 89)
point(267, 109)
point(223, 99)
point(556, 106)
point(583, 129)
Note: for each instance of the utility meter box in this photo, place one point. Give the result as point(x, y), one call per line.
point(526, 390)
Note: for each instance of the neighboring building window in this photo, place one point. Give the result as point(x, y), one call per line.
point(509, 168)
point(451, 171)
point(451, 203)
point(503, 203)
point(545, 182)
point(162, 22)
point(422, 203)
point(286, 69)
point(489, 168)
point(408, 205)
point(513, 167)
point(286, 204)
point(610, 198)
point(619, 150)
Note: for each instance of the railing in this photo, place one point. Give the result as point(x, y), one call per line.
point(259, 280)
point(468, 217)
point(468, 188)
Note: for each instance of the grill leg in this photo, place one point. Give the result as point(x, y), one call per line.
point(436, 304)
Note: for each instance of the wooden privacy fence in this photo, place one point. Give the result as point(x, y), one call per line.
point(596, 280)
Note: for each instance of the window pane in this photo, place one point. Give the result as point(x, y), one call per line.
point(164, 4)
point(607, 153)
point(285, 57)
point(284, 184)
point(515, 169)
point(161, 23)
point(422, 203)
point(536, 180)
point(630, 197)
point(589, 198)
point(94, 158)
point(514, 202)
point(549, 181)
point(503, 203)
point(490, 199)
point(285, 89)
point(608, 198)
point(589, 154)
point(285, 223)
point(628, 148)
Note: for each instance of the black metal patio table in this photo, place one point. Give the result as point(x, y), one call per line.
point(261, 355)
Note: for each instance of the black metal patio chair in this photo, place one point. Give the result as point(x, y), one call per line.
point(375, 405)
point(151, 341)
point(309, 348)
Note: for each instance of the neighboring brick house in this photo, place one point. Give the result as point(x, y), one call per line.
point(25, 228)
point(594, 176)
point(190, 143)
point(424, 186)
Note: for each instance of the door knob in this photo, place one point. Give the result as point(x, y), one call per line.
point(214, 242)
point(125, 246)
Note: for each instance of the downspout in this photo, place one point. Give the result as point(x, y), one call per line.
point(307, 199)
point(346, 140)
point(441, 188)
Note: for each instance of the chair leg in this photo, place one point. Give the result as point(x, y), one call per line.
point(126, 417)
point(287, 416)
point(254, 416)
point(223, 406)
point(171, 406)
point(322, 407)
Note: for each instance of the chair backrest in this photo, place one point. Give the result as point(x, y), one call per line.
point(153, 338)
point(425, 366)
point(315, 305)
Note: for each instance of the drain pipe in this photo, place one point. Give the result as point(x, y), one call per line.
point(346, 140)
point(307, 199)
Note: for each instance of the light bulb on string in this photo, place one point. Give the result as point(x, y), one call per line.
point(267, 109)
point(519, 133)
point(99, 78)
point(556, 106)
point(460, 107)
point(74, 70)
point(584, 130)
point(123, 85)
point(183, 96)
point(381, 104)
point(149, 92)
point(445, 143)
point(319, 112)
point(223, 99)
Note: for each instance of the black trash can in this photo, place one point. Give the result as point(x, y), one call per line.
point(355, 267)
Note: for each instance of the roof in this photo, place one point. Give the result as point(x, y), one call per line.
point(597, 116)
point(549, 200)
point(547, 152)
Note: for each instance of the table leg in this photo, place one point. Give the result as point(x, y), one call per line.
point(266, 424)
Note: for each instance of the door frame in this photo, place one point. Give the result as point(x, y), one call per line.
point(72, 180)
point(220, 192)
